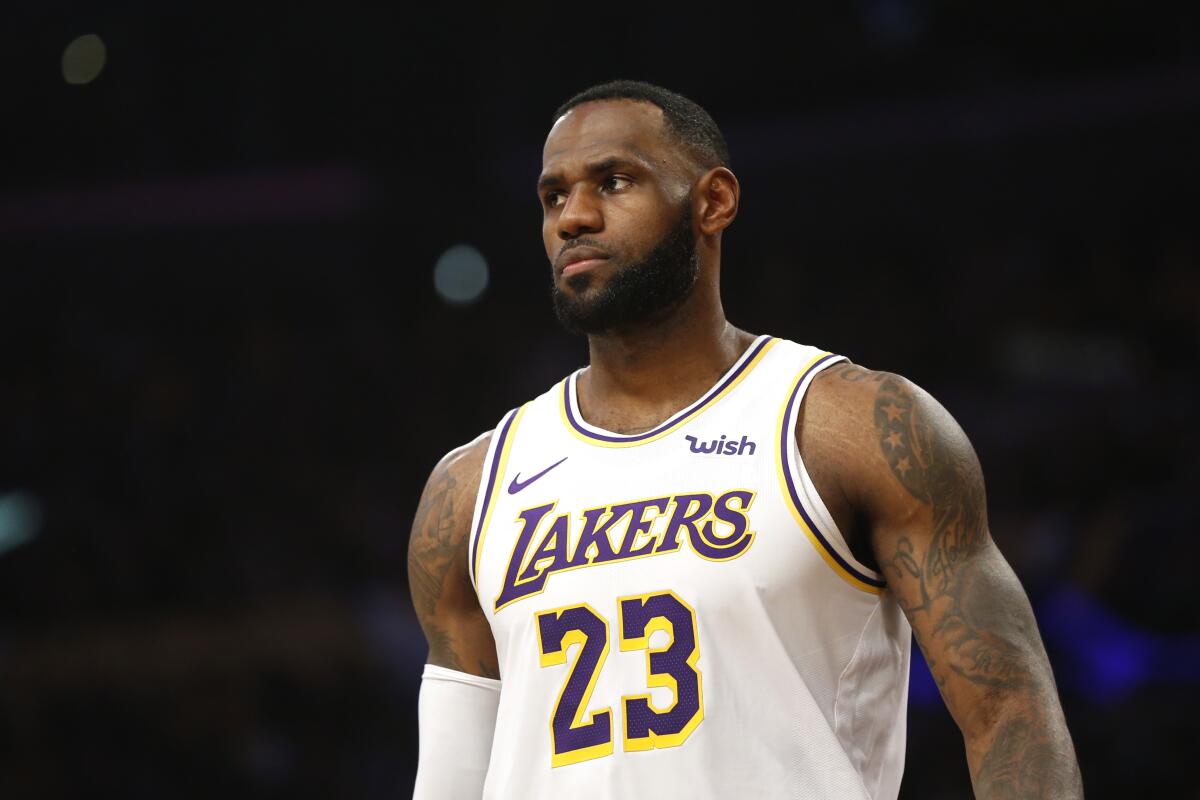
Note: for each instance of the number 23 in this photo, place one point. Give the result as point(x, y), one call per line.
point(575, 739)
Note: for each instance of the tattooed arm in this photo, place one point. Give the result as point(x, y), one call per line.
point(456, 713)
point(903, 482)
point(457, 631)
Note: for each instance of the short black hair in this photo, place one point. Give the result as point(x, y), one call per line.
point(688, 123)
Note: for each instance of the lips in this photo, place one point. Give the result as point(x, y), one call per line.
point(579, 259)
point(581, 266)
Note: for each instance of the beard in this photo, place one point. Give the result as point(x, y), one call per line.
point(636, 292)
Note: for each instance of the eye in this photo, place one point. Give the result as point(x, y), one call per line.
point(616, 183)
point(552, 199)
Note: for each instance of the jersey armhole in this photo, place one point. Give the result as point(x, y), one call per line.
point(490, 478)
point(801, 495)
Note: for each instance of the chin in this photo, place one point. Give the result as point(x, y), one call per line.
point(579, 284)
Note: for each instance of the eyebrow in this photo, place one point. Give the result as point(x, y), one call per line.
point(603, 165)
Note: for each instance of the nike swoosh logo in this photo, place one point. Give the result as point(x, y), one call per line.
point(518, 484)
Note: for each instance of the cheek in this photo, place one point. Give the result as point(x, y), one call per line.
point(550, 238)
point(639, 230)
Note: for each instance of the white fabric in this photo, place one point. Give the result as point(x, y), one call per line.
point(456, 715)
point(803, 662)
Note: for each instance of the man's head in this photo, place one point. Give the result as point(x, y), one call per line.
point(635, 190)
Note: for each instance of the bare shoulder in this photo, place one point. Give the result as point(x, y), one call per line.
point(882, 442)
point(442, 525)
point(438, 577)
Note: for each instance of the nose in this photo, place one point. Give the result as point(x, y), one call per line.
point(579, 215)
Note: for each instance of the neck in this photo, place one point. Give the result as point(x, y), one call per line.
point(640, 376)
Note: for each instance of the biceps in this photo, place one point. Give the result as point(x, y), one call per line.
point(458, 633)
point(930, 534)
point(974, 625)
point(971, 616)
point(460, 636)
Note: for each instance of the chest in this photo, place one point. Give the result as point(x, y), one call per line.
point(699, 510)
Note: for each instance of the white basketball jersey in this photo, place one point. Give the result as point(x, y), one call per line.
point(675, 613)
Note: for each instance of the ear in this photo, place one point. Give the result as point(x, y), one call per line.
point(717, 194)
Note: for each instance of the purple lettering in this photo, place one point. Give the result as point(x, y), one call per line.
point(684, 517)
point(512, 590)
point(553, 546)
point(696, 447)
point(711, 545)
point(717, 529)
point(638, 525)
point(594, 533)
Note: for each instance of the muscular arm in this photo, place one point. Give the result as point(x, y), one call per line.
point(457, 631)
point(897, 467)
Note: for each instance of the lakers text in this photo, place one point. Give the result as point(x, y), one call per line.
point(717, 528)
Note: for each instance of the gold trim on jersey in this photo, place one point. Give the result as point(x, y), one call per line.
point(786, 488)
point(608, 439)
point(501, 458)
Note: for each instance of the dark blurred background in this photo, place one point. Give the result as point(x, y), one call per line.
point(227, 369)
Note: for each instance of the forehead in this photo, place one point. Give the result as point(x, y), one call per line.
point(605, 126)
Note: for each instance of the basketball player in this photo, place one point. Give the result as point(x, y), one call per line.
point(692, 569)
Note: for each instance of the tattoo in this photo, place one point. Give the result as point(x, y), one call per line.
point(434, 544)
point(1023, 763)
point(443, 597)
point(854, 373)
point(951, 590)
point(962, 600)
point(441, 643)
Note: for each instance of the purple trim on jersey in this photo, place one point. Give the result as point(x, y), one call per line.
point(747, 357)
point(491, 484)
point(784, 449)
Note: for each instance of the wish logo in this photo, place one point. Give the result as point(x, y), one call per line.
point(722, 447)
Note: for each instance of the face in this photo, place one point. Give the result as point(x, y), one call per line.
point(617, 222)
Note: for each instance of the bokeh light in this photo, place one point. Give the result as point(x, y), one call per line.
point(20, 519)
point(461, 275)
point(83, 59)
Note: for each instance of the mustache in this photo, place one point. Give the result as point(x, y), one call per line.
point(582, 242)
